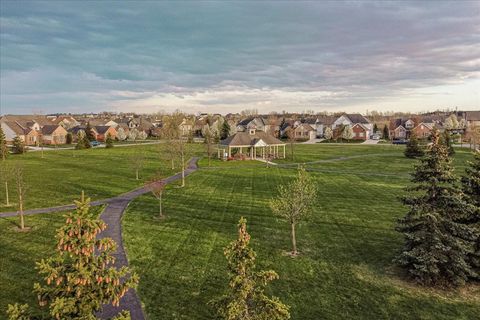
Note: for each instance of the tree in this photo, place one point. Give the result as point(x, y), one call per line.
point(207, 134)
point(170, 132)
point(121, 135)
point(291, 140)
point(446, 139)
point(375, 128)
point(347, 133)
point(386, 133)
point(81, 140)
point(245, 298)
point(181, 151)
point(328, 134)
point(109, 141)
point(437, 240)
point(141, 135)
point(451, 123)
point(5, 174)
point(3, 145)
point(295, 202)
point(156, 186)
point(137, 161)
point(225, 132)
point(69, 138)
point(89, 132)
point(21, 187)
point(413, 149)
point(80, 277)
point(18, 146)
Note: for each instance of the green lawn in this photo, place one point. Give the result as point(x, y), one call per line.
point(345, 270)
point(61, 175)
point(20, 250)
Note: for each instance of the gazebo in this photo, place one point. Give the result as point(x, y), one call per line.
point(255, 144)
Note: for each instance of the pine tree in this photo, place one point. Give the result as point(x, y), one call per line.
point(18, 146)
point(86, 142)
point(413, 149)
point(225, 132)
point(245, 298)
point(386, 134)
point(69, 138)
point(471, 189)
point(3, 145)
point(375, 128)
point(109, 141)
point(89, 132)
point(437, 241)
point(80, 277)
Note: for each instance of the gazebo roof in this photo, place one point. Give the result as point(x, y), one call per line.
point(250, 139)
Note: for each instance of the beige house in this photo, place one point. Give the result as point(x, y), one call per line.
point(53, 134)
point(252, 144)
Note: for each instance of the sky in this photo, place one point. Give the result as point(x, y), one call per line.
point(224, 56)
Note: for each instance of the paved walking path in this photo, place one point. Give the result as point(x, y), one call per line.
point(112, 216)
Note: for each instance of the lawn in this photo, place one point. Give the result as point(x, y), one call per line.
point(20, 250)
point(345, 269)
point(61, 175)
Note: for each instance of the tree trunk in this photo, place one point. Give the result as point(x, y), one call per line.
point(6, 193)
point(294, 240)
point(183, 171)
point(20, 211)
point(136, 174)
point(173, 164)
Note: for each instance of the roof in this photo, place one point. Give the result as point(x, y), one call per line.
point(16, 127)
point(247, 139)
point(357, 118)
point(49, 129)
point(102, 129)
point(472, 115)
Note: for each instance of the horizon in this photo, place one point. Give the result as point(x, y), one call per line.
point(214, 57)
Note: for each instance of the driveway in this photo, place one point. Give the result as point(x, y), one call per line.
point(371, 141)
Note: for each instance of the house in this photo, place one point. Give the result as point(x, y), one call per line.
point(13, 129)
point(252, 144)
point(472, 118)
point(103, 131)
point(186, 126)
point(360, 132)
point(423, 130)
point(351, 119)
point(316, 124)
point(400, 128)
point(252, 122)
point(304, 131)
point(53, 134)
point(66, 121)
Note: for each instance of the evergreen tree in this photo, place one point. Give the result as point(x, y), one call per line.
point(225, 132)
point(18, 146)
point(89, 132)
point(413, 149)
point(3, 145)
point(86, 142)
point(245, 298)
point(386, 134)
point(109, 141)
point(375, 128)
point(80, 277)
point(438, 243)
point(80, 141)
point(69, 138)
point(471, 189)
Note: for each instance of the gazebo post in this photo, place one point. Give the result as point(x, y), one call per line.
point(283, 151)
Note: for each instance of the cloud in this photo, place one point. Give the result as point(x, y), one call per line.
point(104, 55)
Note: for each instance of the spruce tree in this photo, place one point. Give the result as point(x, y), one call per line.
point(3, 145)
point(471, 189)
point(386, 134)
point(375, 128)
point(438, 243)
point(18, 146)
point(69, 138)
point(89, 133)
point(413, 149)
point(80, 277)
point(225, 132)
point(245, 298)
point(109, 141)
point(80, 141)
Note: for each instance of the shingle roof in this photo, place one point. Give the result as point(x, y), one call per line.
point(357, 118)
point(472, 115)
point(247, 139)
point(49, 129)
point(102, 129)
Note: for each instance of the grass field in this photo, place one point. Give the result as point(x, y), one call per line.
point(345, 268)
point(61, 175)
point(20, 250)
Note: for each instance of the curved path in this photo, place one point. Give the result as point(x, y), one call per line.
point(112, 216)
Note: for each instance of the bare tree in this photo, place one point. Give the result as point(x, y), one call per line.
point(209, 142)
point(295, 202)
point(170, 132)
point(137, 161)
point(291, 140)
point(18, 174)
point(180, 149)
point(5, 174)
point(156, 186)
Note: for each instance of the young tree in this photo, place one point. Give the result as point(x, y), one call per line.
point(225, 132)
point(181, 151)
point(3, 145)
point(18, 146)
point(121, 135)
point(89, 132)
point(386, 133)
point(137, 161)
point(132, 134)
point(328, 134)
point(413, 149)
point(80, 277)
point(109, 141)
point(295, 202)
point(446, 139)
point(21, 186)
point(80, 140)
point(142, 135)
point(156, 186)
point(5, 174)
point(347, 133)
point(207, 134)
point(291, 140)
point(69, 138)
point(375, 128)
point(246, 298)
point(437, 241)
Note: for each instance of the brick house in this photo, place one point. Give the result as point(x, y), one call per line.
point(53, 134)
point(360, 132)
point(423, 130)
point(13, 129)
point(103, 131)
point(305, 131)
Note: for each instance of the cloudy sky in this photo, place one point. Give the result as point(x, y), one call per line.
point(227, 56)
